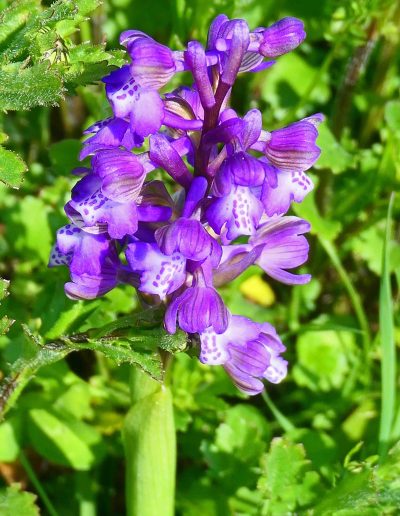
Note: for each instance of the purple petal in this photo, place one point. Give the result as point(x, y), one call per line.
point(152, 64)
point(282, 37)
point(159, 274)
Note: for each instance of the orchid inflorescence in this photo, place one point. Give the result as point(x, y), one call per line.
point(234, 184)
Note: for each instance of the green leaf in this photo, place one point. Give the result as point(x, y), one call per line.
point(388, 345)
point(24, 88)
point(55, 440)
point(9, 439)
point(373, 489)
point(287, 482)
point(323, 359)
point(333, 156)
point(140, 348)
point(15, 16)
point(320, 225)
point(14, 502)
point(12, 168)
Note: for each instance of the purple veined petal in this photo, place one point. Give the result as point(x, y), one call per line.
point(122, 174)
point(87, 286)
point(214, 30)
point(159, 274)
point(176, 122)
point(284, 247)
point(214, 346)
point(263, 66)
point(226, 132)
point(153, 64)
point(195, 59)
point(246, 170)
point(195, 195)
point(282, 37)
point(187, 237)
point(244, 382)
point(239, 32)
point(241, 211)
point(238, 263)
point(252, 128)
point(252, 359)
point(163, 154)
point(197, 308)
point(128, 36)
point(147, 112)
point(96, 209)
point(293, 148)
point(154, 193)
point(291, 186)
point(114, 133)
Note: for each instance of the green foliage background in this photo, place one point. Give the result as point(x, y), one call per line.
point(324, 441)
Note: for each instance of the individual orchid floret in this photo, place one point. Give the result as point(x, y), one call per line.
point(92, 259)
point(282, 37)
point(130, 100)
point(293, 148)
point(197, 307)
point(283, 246)
point(249, 352)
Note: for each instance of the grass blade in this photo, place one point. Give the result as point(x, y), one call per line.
point(388, 363)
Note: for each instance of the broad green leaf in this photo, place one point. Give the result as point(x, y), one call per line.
point(12, 168)
point(15, 502)
point(333, 156)
point(24, 88)
point(287, 483)
point(323, 359)
point(54, 439)
point(9, 439)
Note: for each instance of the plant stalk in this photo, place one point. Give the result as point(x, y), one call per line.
point(150, 448)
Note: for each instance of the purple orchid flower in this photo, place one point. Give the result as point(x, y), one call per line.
point(248, 351)
point(228, 179)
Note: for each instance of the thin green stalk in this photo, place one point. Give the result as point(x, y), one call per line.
point(283, 421)
point(150, 448)
point(37, 484)
point(388, 347)
point(354, 298)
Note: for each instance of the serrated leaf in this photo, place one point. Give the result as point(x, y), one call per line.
point(29, 87)
point(14, 502)
point(12, 168)
point(140, 349)
point(88, 53)
point(15, 16)
point(287, 482)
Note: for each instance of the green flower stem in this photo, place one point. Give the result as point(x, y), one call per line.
point(283, 421)
point(37, 484)
point(150, 448)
